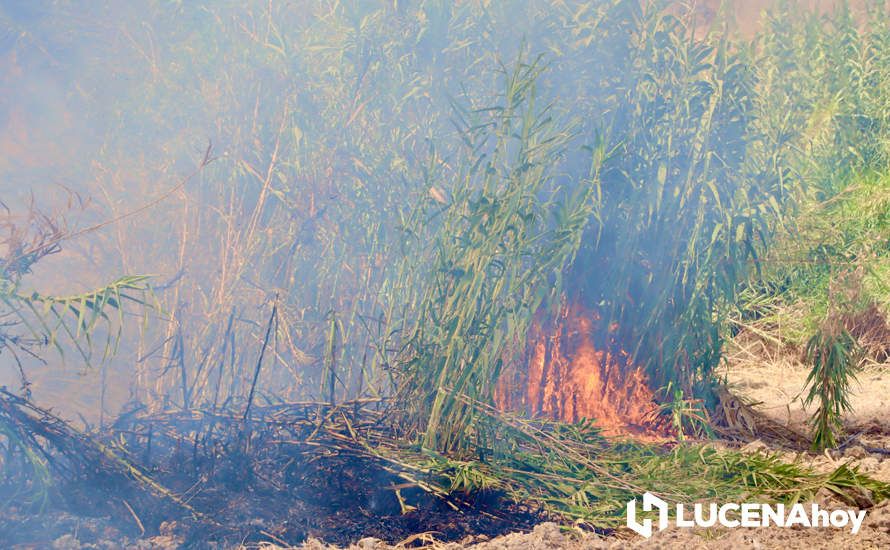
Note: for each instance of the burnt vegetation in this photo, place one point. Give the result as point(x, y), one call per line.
point(447, 270)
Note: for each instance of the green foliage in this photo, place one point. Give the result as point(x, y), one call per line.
point(17, 444)
point(496, 248)
point(414, 203)
point(77, 317)
point(688, 416)
point(690, 191)
point(849, 231)
point(687, 201)
point(822, 85)
point(49, 319)
point(33, 320)
point(589, 479)
point(835, 358)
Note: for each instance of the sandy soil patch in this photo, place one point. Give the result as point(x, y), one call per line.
point(775, 381)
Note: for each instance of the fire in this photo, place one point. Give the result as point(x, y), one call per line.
point(564, 377)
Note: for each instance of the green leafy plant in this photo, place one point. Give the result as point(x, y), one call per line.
point(689, 417)
point(499, 241)
point(34, 320)
point(835, 356)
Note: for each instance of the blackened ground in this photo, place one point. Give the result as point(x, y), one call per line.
point(279, 493)
point(255, 517)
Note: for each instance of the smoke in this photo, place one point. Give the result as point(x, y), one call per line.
point(329, 123)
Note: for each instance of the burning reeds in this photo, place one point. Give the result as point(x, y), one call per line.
point(336, 472)
point(455, 268)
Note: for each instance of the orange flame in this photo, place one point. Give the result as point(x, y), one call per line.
point(564, 377)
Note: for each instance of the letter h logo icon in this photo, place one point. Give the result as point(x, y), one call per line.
point(650, 502)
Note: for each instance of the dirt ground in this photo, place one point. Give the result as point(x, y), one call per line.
point(776, 386)
point(875, 534)
point(772, 380)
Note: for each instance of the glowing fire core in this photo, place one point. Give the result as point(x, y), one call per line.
point(564, 377)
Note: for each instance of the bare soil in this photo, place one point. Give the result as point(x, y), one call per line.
point(774, 380)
